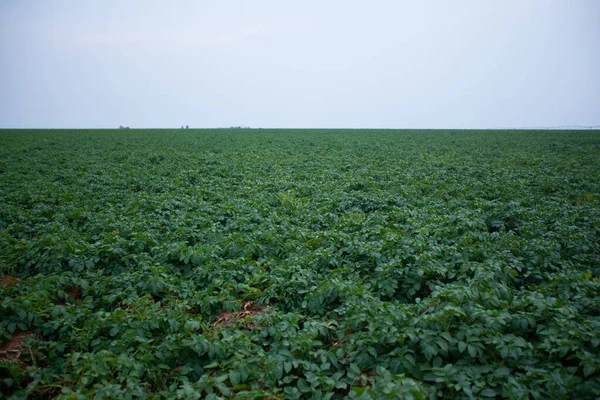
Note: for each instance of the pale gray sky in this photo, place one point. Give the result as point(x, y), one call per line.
point(328, 64)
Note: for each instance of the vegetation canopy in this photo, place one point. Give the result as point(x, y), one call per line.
point(293, 264)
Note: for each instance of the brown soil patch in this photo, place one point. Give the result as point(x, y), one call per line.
point(11, 350)
point(74, 292)
point(249, 309)
point(8, 281)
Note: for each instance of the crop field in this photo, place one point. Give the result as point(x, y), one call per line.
point(267, 264)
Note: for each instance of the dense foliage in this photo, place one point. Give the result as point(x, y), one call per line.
point(300, 264)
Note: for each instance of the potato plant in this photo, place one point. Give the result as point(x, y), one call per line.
point(299, 264)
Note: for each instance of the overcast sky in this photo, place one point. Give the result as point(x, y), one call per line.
point(329, 64)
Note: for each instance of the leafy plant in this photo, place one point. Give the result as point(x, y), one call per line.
point(299, 264)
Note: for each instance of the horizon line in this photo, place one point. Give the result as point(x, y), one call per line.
point(559, 127)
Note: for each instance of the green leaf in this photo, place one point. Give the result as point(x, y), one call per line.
point(303, 385)
point(224, 389)
point(472, 350)
point(488, 393)
point(287, 366)
point(358, 389)
point(354, 368)
point(429, 351)
point(234, 377)
point(341, 385)
point(442, 345)
point(239, 388)
point(588, 370)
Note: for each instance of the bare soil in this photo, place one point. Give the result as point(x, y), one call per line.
point(249, 309)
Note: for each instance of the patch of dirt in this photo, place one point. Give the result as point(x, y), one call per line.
point(249, 309)
point(8, 281)
point(74, 292)
point(11, 351)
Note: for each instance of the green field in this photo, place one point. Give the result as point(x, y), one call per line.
point(300, 264)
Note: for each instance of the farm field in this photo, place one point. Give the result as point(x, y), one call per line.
point(271, 264)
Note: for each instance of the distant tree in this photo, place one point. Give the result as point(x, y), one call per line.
point(187, 127)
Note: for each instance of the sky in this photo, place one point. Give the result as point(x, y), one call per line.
point(309, 64)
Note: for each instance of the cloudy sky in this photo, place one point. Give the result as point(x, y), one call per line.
point(329, 64)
